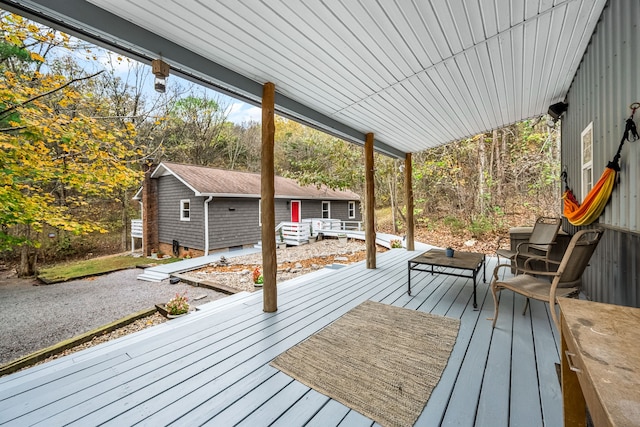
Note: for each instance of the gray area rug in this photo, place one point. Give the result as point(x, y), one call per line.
point(380, 360)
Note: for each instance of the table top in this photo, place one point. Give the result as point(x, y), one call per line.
point(463, 260)
point(608, 338)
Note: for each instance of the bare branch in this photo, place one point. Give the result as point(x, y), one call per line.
point(12, 129)
point(33, 98)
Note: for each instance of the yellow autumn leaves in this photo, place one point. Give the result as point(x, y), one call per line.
point(54, 156)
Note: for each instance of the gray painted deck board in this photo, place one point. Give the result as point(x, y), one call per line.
point(355, 419)
point(524, 386)
point(302, 410)
point(544, 339)
point(458, 411)
point(330, 414)
point(493, 406)
point(211, 367)
point(271, 409)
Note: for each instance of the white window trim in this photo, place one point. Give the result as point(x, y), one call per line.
point(259, 212)
point(328, 209)
point(182, 210)
point(351, 209)
point(586, 186)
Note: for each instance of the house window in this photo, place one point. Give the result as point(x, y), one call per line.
point(587, 159)
point(326, 210)
point(185, 210)
point(352, 209)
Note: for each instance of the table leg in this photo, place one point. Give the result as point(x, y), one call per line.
point(573, 403)
point(409, 280)
point(475, 303)
point(484, 268)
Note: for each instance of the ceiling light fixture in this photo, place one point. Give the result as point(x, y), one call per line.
point(556, 110)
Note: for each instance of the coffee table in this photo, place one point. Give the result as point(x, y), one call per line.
point(436, 261)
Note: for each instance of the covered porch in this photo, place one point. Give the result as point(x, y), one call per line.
point(212, 367)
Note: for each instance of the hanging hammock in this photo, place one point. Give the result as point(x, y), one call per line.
point(595, 202)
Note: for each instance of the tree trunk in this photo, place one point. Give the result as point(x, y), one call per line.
point(491, 173)
point(393, 195)
point(124, 236)
point(503, 160)
point(28, 256)
point(481, 181)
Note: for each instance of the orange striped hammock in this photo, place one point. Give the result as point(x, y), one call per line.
point(595, 202)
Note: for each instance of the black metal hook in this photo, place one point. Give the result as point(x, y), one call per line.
point(630, 130)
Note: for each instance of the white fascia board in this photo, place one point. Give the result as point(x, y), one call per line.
point(163, 170)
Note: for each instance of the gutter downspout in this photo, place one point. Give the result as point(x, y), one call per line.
point(142, 218)
point(206, 225)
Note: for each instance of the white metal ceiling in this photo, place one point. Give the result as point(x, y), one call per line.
point(416, 73)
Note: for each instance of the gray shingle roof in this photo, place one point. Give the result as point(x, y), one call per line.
point(205, 181)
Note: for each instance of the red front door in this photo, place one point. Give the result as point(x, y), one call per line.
point(295, 211)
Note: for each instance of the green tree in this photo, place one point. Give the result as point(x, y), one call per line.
point(195, 131)
point(316, 158)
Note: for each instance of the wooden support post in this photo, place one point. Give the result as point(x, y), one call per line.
point(269, 261)
point(370, 203)
point(408, 196)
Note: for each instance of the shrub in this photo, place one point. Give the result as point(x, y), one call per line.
point(455, 224)
point(480, 226)
point(178, 304)
point(258, 279)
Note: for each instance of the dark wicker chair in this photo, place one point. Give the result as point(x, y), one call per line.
point(538, 246)
point(565, 282)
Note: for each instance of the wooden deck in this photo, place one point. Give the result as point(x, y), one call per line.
point(211, 367)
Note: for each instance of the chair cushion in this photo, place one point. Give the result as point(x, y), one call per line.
point(533, 287)
point(505, 253)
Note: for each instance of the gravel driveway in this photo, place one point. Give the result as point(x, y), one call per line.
point(34, 316)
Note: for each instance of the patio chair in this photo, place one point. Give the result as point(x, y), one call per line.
point(538, 246)
point(565, 282)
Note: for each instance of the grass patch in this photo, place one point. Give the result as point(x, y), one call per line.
point(94, 267)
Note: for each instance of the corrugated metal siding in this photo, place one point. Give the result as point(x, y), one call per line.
point(188, 233)
point(612, 276)
point(606, 83)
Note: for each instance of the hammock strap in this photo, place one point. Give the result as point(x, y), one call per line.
point(630, 134)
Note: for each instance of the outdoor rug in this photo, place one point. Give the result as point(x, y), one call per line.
point(379, 360)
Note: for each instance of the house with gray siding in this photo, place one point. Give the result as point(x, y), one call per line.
point(193, 210)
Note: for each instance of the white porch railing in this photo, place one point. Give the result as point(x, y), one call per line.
point(136, 232)
point(292, 233)
point(318, 225)
point(298, 233)
point(136, 228)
